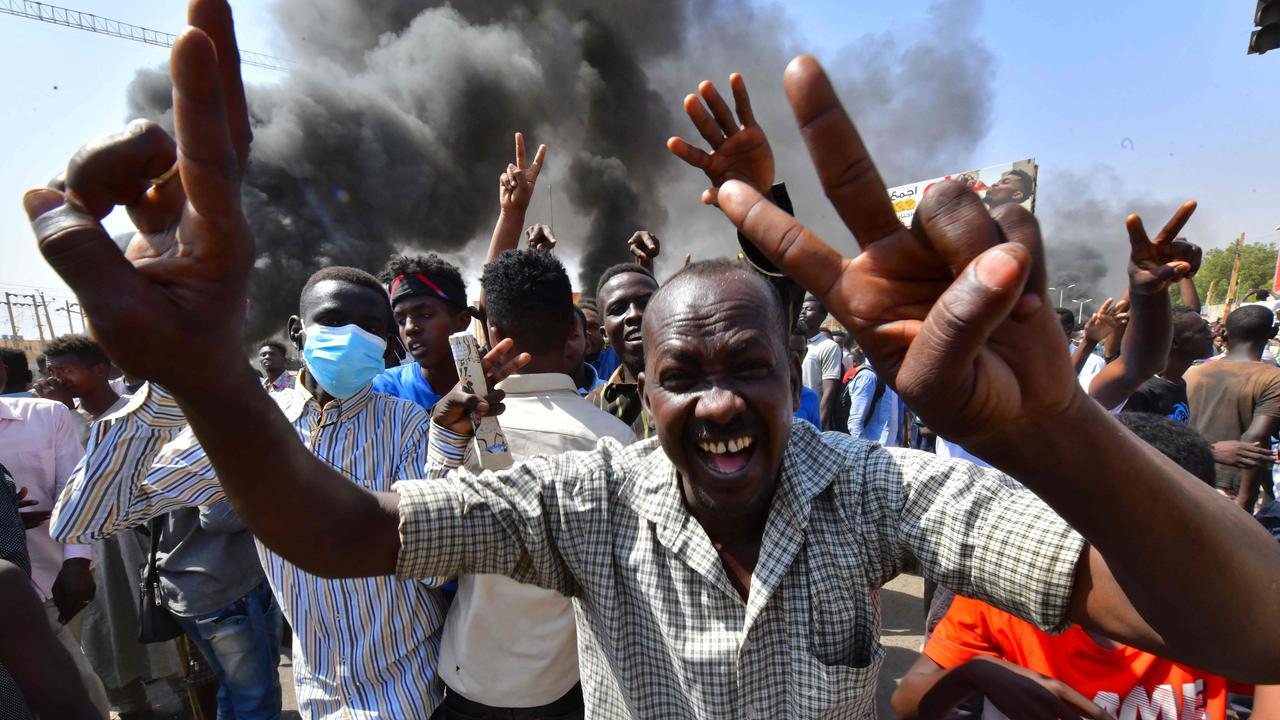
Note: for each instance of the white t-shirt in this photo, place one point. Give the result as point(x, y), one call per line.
point(821, 362)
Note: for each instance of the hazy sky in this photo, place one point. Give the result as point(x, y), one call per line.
point(1159, 96)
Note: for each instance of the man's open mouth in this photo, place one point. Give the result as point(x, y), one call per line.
point(728, 456)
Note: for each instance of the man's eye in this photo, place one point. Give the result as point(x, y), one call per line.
point(676, 381)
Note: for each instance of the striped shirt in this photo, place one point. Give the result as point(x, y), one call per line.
point(662, 633)
point(363, 648)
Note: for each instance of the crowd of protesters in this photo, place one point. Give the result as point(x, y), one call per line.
point(713, 473)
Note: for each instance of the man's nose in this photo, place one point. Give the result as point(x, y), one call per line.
point(718, 405)
point(633, 315)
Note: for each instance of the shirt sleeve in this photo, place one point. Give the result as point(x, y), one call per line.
point(978, 532)
point(68, 453)
point(141, 462)
point(963, 634)
point(831, 361)
point(1268, 403)
point(514, 522)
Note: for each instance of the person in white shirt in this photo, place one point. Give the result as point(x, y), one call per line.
point(821, 370)
point(40, 444)
point(509, 649)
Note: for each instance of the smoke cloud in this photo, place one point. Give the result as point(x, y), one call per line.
point(1083, 216)
point(391, 130)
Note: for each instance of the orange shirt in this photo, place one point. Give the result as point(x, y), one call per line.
point(1129, 683)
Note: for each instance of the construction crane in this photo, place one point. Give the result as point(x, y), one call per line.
point(106, 26)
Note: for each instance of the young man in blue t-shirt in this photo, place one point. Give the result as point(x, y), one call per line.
point(429, 301)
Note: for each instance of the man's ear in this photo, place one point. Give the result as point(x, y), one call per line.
point(295, 332)
point(644, 396)
point(461, 321)
point(1019, 196)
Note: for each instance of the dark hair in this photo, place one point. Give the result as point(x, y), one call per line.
point(589, 304)
point(582, 318)
point(528, 295)
point(81, 346)
point(276, 345)
point(717, 267)
point(615, 270)
point(1028, 185)
point(1250, 323)
point(341, 273)
point(15, 362)
point(444, 273)
point(1176, 441)
point(1067, 319)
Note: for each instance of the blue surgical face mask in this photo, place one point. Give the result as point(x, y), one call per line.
point(343, 359)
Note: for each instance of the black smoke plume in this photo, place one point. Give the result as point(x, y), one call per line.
point(390, 132)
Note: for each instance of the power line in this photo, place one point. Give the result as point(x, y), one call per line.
point(89, 22)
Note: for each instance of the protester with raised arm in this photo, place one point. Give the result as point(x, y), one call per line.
point(1166, 393)
point(1149, 331)
point(730, 566)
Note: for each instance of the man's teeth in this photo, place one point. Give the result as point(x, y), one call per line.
point(734, 445)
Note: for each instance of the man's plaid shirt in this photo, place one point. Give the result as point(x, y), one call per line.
point(662, 632)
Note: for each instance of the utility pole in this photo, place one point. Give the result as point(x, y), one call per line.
point(13, 324)
point(1208, 297)
point(48, 317)
point(1235, 276)
point(35, 310)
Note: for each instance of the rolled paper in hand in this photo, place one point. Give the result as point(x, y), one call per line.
point(489, 444)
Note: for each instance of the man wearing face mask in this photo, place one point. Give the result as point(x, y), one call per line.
point(366, 647)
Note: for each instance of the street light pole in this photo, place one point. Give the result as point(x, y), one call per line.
point(1080, 314)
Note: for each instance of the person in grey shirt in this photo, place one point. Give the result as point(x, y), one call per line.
point(212, 582)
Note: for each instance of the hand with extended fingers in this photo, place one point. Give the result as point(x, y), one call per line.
point(739, 149)
point(1111, 316)
point(951, 311)
point(1155, 264)
point(515, 186)
point(190, 265)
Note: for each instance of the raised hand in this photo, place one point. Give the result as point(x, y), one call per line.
point(190, 268)
point(952, 312)
point(515, 186)
point(51, 388)
point(540, 238)
point(1156, 264)
point(739, 148)
point(1111, 316)
point(645, 247)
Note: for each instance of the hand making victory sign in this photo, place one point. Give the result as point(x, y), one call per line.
point(515, 186)
point(951, 311)
point(191, 263)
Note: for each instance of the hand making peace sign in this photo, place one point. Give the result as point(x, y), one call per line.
point(188, 290)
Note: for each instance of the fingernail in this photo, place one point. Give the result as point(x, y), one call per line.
point(999, 269)
point(40, 201)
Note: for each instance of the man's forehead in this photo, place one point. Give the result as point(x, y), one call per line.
point(634, 283)
point(728, 302)
point(329, 295)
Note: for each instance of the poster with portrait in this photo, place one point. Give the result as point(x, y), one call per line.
point(996, 185)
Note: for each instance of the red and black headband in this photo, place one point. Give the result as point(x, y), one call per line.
point(423, 284)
